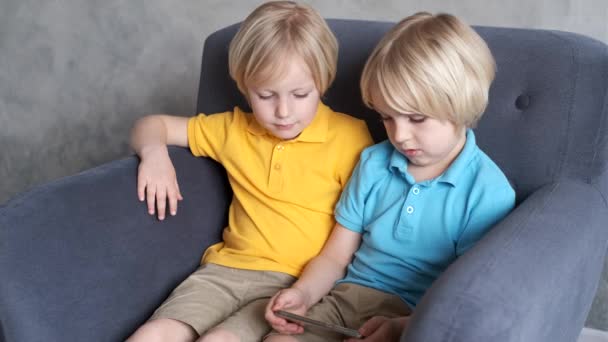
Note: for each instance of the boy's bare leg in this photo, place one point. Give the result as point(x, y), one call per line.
point(219, 335)
point(162, 330)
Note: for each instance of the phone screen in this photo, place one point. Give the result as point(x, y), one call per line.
point(311, 322)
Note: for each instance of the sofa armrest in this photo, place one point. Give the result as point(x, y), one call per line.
point(532, 278)
point(80, 258)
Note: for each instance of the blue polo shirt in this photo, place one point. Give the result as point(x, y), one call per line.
point(412, 231)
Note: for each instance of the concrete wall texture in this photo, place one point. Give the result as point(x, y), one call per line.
point(74, 75)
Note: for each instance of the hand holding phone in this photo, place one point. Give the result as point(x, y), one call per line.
point(323, 325)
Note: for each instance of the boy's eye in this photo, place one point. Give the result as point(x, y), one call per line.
point(417, 118)
point(301, 96)
point(264, 97)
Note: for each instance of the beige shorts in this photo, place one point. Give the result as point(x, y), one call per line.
point(351, 305)
point(230, 298)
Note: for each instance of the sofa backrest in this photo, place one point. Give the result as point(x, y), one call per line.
point(547, 116)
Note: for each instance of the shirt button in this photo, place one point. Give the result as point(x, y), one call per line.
point(277, 167)
point(416, 191)
point(280, 147)
point(409, 209)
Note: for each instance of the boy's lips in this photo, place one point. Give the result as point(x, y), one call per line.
point(411, 152)
point(284, 126)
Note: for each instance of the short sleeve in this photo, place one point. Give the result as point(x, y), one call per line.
point(358, 139)
point(207, 134)
point(492, 207)
point(349, 211)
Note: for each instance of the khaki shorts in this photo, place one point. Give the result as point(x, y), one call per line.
point(351, 305)
point(230, 298)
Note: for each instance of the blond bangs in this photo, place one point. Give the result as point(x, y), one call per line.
point(408, 90)
point(266, 65)
point(275, 33)
point(432, 65)
point(404, 86)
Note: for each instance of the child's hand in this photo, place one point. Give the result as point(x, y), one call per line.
point(382, 329)
point(157, 182)
point(292, 300)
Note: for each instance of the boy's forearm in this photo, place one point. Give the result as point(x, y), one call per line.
point(318, 278)
point(322, 272)
point(148, 132)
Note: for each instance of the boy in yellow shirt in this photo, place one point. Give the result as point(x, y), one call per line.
point(287, 163)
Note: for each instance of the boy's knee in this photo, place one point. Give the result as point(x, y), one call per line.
point(164, 330)
point(219, 335)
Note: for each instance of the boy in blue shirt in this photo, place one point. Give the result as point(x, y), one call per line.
point(415, 202)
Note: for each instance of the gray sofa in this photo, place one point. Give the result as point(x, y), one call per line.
point(80, 259)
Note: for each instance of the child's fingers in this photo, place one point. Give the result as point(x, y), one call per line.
point(151, 198)
point(372, 325)
point(283, 300)
point(272, 303)
point(293, 328)
point(179, 193)
point(269, 314)
point(276, 322)
point(161, 202)
point(141, 189)
point(288, 328)
point(173, 197)
point(279, 302)
point(299, 330)
point(279, 323)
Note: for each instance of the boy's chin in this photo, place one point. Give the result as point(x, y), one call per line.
point(283, 135)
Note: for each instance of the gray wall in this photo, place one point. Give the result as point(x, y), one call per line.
point(74, 75)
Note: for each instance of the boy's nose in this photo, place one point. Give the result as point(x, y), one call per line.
point(402, 133)
point(282, 110)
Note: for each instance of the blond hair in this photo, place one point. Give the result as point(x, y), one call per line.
point(434, 65)
point(272, 35)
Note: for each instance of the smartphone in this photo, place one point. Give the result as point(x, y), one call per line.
point(323, 325)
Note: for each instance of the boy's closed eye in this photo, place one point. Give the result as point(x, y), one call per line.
point(265, 96)
point(413, 118)
point(296, 95)
point(417, 118)
point(301, 96)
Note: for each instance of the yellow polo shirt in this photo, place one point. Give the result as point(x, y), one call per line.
point(284, 191)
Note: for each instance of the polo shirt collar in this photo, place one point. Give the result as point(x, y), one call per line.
point(398, 162)
point(459, 165)
point(254, 127)
point(315, 132)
